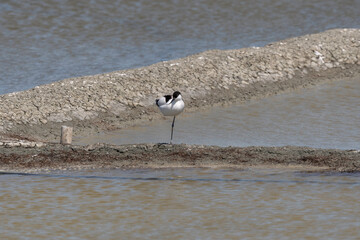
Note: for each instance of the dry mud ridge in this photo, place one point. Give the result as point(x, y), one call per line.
point(122, 98)
point(66, 157)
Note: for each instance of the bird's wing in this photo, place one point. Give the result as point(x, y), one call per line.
point(163, 100)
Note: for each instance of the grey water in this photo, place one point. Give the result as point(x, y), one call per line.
point(180, 204)
point(47, 40)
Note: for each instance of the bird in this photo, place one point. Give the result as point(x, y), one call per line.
point(171, 106)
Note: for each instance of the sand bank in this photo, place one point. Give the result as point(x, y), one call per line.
point(123, 98)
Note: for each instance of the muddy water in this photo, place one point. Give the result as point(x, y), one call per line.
point(326, 116)
point(44, 41)
point(180, 204)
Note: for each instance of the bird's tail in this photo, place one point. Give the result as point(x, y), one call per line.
point(157, 102)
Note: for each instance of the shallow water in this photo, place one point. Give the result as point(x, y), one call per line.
point(326, 116)
point(46, 40)
point(180, 204)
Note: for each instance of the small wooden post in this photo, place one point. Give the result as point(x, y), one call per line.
point(66, 135)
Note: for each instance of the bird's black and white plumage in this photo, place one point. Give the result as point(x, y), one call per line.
point(171, 106)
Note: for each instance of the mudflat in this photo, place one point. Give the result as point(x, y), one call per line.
point(102, 156)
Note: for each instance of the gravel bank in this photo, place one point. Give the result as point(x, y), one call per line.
point(27, 158)
point(122, 98)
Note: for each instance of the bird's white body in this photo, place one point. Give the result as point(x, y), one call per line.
point(172, 107)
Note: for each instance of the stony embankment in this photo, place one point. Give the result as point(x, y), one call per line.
point(25, 158)
point(113, 100)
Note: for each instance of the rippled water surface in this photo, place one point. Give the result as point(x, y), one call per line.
point(180, 204)
point(325, 116)
point(46, 40)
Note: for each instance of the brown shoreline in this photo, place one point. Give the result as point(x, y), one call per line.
point(102, 156)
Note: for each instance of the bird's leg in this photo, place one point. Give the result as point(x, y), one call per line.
point(172, 129)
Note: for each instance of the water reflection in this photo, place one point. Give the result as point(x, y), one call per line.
point(177, 178)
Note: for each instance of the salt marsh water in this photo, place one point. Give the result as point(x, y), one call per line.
point(45, 41)
point(180, 204)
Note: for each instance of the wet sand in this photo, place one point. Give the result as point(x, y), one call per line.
point(102, 156)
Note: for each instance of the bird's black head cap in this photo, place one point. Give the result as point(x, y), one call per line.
point(176, 94)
